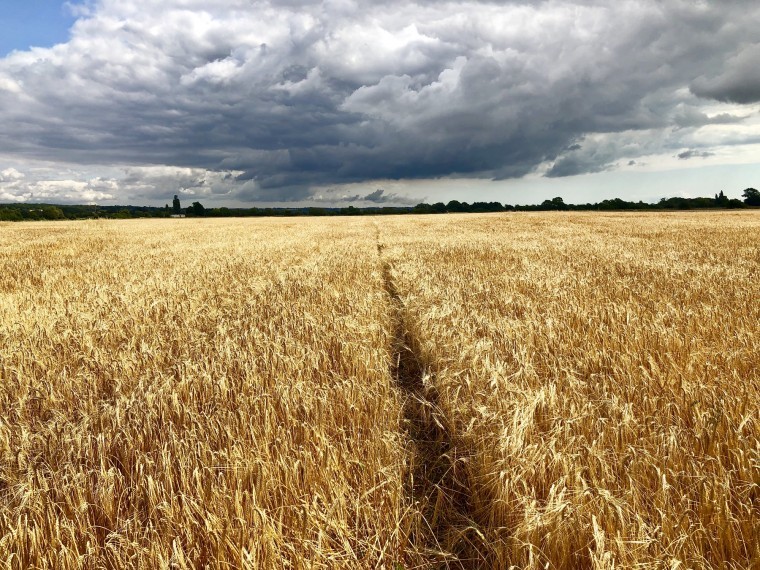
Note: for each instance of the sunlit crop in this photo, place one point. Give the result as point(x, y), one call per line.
point(466, 391)
point(601, 377)
point(189, 394)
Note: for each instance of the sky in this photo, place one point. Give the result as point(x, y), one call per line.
point(33, 23)
point(338, 102)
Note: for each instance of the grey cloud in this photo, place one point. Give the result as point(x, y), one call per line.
point(691, 117)
point(380, 197)
point(597, 154)
point(572, 165)
point(377, 197)
point(687, 154)
point(279, 98)
point(738, 82)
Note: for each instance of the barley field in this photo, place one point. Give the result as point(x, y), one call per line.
point(516, 390)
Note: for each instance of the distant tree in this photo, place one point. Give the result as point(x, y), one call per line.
point(721, 200)
point(675, 203)
point(487, 207)
point(52, 213)
point(554, 204)
point(175, 205)
point(197, 209)
point(122, 214)
point(10, 215)
point(456, 206)
point(751, 197)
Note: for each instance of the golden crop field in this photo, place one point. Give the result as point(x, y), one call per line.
point(462, 391)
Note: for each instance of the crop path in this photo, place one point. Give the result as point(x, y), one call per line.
point(438, 483)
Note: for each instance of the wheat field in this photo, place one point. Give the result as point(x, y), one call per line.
point(601, 375)
point(458, 391)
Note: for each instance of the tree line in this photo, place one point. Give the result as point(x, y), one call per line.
point(20, 212)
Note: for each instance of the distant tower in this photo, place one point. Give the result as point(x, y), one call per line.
point(175, 205)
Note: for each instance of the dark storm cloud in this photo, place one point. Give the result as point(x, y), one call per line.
point(738, 80)
point(265, 101)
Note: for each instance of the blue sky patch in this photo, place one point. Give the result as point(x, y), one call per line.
point(24, 24)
